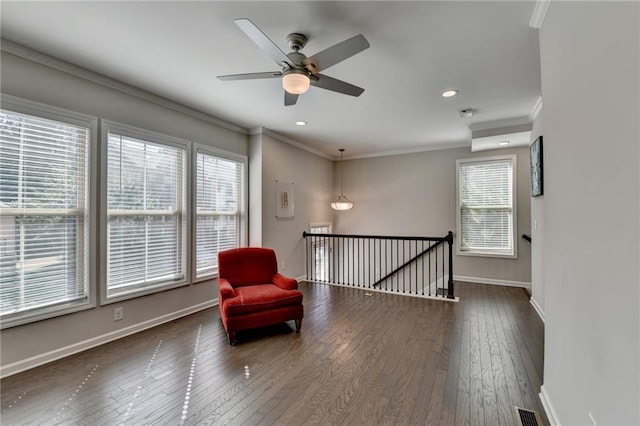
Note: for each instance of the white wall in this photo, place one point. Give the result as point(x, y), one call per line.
point(590, 71)
point(415, 195)
point(255, 190)
point(537, 234)
point(313, 179)
point(46, 339)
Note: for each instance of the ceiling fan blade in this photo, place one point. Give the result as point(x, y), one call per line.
point(336, 53)
point(290, 98)
point(263, 42)
point(250, 76)
point(335, 85)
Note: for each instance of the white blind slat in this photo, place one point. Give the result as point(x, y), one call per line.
point(43, 212)
point(219, 203)
point(146, 247)
point(486, 205)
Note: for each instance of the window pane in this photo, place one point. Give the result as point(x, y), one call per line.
point(43, 226)
point(486, 229)
point(219, 200)
point(215, 234)
point(146, 225)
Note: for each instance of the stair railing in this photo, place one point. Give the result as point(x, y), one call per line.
point(415, 266)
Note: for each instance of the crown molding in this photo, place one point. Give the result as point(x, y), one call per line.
point(94, 77)
point(539, 13)
point(289, 141)
point(537, 108)
point(426, 148)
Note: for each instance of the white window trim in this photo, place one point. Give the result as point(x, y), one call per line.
point(514, 212)
point(321, 224)
point(208, 150)
point(37, 109)
point(134, 132)
point(327, 240)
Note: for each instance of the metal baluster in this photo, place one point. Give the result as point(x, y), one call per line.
point(442, 265)
point(450, 292)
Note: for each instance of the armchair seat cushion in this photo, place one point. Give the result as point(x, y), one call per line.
point(260, 298)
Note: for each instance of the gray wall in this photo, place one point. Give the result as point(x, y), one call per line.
point(39, 83)
point(415, 194)
point(590, 58)
point(313, 178)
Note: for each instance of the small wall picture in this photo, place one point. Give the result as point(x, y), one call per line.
point(284, 199)
point(535, 157)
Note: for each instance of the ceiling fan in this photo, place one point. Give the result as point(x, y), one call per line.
point(299, 71)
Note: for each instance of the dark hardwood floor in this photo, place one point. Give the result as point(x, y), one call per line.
point(360, 360)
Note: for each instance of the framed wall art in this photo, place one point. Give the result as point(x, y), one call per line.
point(535, 157)
point(284, 199)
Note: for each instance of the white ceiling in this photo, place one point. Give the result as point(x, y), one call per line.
point(486, 50)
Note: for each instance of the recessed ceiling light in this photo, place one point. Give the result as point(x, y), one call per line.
point(301, 123)
point(503, 143)
point(449, 93)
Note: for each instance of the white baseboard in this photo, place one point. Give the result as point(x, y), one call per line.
point(537, 307)
point(35, 361)
point(493, 281)
point(377, 290)
point(548, 407)
point(441, 282)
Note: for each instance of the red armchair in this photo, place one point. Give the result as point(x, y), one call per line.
point(251, 292)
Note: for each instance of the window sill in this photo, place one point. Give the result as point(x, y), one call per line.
point(476, 253)
point(26, 317)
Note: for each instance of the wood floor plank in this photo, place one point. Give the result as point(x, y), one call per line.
point(504, 407)
point(379, 359)
point(489, 397)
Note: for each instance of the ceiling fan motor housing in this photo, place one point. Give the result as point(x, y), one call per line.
point(297, 41)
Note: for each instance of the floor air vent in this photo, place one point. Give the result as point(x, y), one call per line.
point(527, 417)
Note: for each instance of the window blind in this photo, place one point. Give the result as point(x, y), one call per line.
point(485, 191)
point(44, 226)
point(219, 209)
point(145, 214)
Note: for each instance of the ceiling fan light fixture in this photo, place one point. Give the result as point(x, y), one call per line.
point(296, 82)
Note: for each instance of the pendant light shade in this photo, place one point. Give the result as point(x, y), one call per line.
point(342, 202)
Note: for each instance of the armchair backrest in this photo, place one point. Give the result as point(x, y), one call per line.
point(247, 266)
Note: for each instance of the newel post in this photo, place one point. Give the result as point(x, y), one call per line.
point(450, 293)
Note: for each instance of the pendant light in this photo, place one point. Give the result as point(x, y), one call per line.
point(342, 203)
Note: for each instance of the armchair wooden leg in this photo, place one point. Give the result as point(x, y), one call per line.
point(298, 325)
point(232, 338)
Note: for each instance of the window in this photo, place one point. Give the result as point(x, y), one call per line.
point(321, 251)
point(220, 207)
point(145, 211)
point(44, 211)
point(486, 206)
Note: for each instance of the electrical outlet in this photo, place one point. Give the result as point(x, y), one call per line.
point(118, 314)
point(282, 265)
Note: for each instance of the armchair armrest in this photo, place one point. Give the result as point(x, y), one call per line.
point(225, 289)
point(285, 283)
